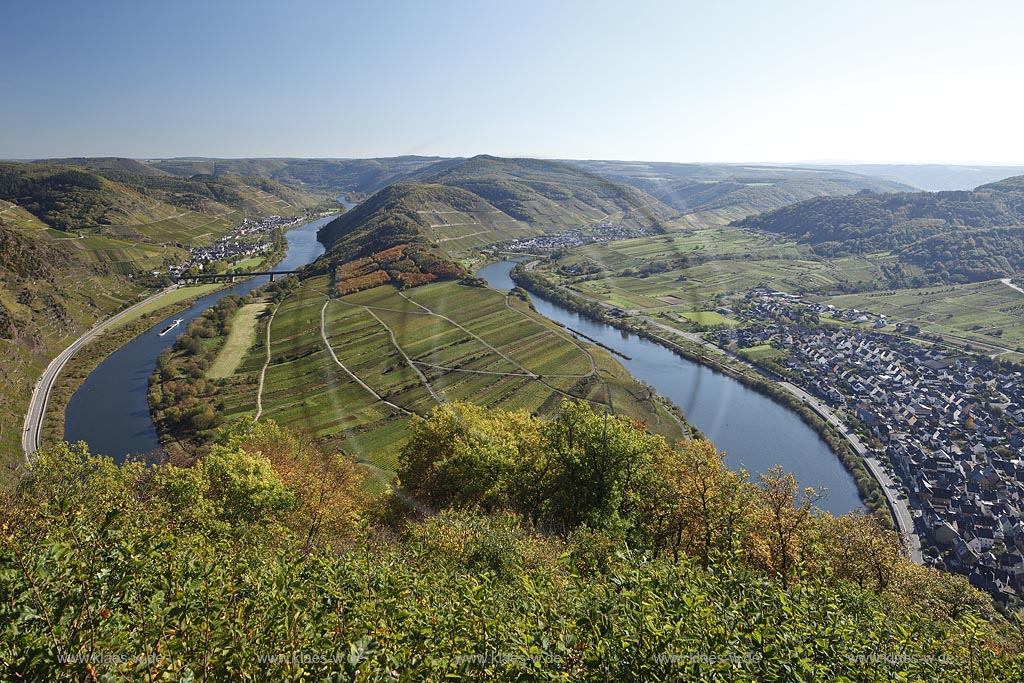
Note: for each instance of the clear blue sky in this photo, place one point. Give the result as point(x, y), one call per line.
point(867, 80)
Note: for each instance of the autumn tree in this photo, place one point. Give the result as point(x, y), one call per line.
point(782, 521)
point(700, 507)
point(858, 548)
point(328, 487)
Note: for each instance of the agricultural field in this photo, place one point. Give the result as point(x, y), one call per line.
point(693, 270)
point(395, 354)
point(708, 318)
point(462, 233)
point(243, 331)
point(710, 241)
point(762, 352)
point(987, 315)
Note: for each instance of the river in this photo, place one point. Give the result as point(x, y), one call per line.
point(110, 410)
point(754, 430)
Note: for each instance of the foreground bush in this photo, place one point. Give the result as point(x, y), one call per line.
point(137, 574)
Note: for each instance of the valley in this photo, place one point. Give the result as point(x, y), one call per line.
point(511, 342)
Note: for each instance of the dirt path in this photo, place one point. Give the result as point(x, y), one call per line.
point(409, 362)
point(364, 385)
point(263, 372)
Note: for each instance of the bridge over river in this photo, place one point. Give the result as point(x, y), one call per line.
point(230, 277)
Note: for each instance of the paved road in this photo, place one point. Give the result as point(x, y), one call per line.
point(32, 436)
point(898, 506)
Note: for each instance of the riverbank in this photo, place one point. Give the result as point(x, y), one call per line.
point(870, 491)
point(77, 369)
point(45, 416)
point(109, 387)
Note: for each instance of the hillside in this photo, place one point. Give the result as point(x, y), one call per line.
point(634, 561)
point(960, 236)
point(548, 194)
point(526, 189)
point(459, 205)
point(543, 193)
point(733, 190)
point(77, 243)
point(391, 237)
point(336, 176)
point(87, 192)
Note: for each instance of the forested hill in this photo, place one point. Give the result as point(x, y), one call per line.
point(411, 233)
point(959, 236)
point(87, 193)
point(734, 190)
point(548, 193)
point(324, 175)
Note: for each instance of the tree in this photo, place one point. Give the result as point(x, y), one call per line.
point(467, 456)
point(859, 548)
point(243, 487)
point(700, 507)
point(781, 523)
point(328, 487)
point(602, 468)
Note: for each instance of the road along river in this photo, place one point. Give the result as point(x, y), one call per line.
point(754, 430)
point(110, 410)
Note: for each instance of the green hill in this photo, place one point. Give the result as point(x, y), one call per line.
point(106, 164)
point(459, 205)
point(548, 194)
point(450, 219)
point(536, 190)
point(956, 236)
point(89, 193)
point(335, 176)
point(77, 243)
point(544, 193)
point(733, 191)
point(263, 562)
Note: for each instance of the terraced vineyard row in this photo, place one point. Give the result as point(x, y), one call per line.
point(439, 342)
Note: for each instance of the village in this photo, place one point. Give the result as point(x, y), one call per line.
point(573, 237)
point(949, 424)
point(250, 238)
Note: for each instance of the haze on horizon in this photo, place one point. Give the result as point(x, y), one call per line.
point(740, 81)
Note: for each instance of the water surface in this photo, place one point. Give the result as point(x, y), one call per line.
point(754, 430)
point(110, 411)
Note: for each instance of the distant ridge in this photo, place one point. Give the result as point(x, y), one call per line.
point(547, 193)
point(956, 236)
point(457, 205)
point(933, 177)
point(734, 190)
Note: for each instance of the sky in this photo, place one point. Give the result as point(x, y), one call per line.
point(710, 81)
